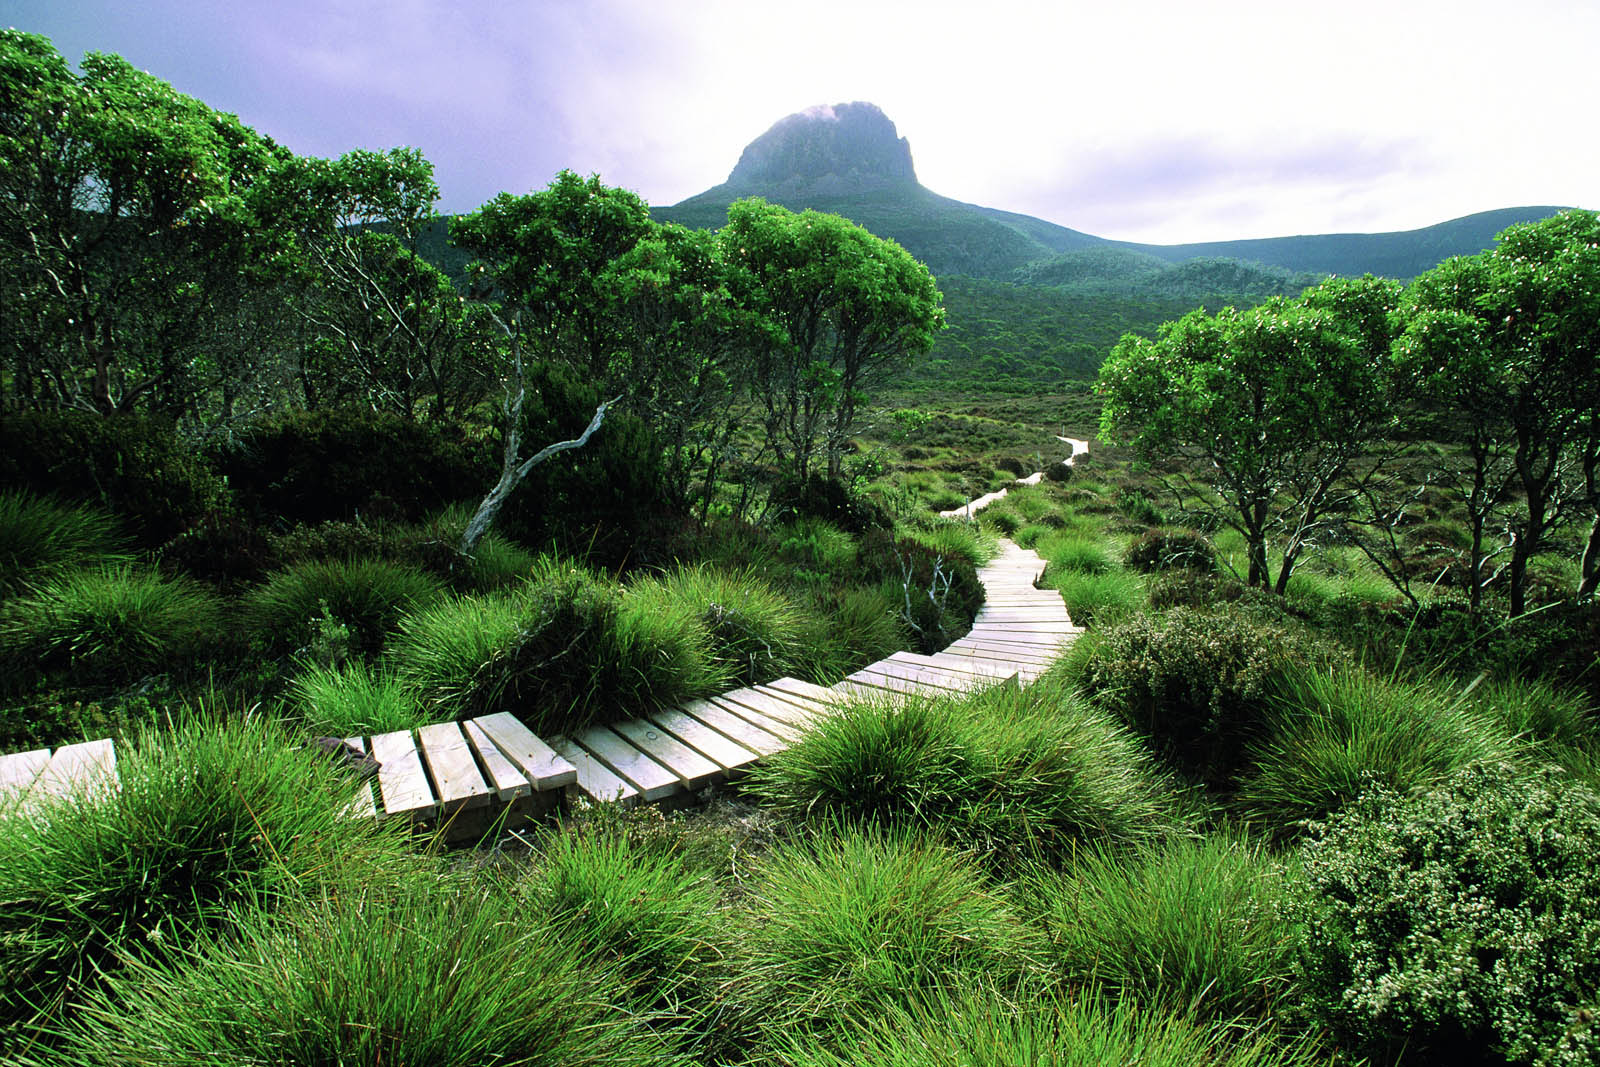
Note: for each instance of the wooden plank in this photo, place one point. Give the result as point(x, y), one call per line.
point(455, 773)
point(1035, 654)
point(509, 783)
point(1047, 627)
point(727, 754)
point(958, 664)
point(691, 768)
point(652, 780)
point(803, 688)
point(818, 710)
point(734, 727)
point(19, 770)
point(594, 777)
point(785, 731)
point(875, 689)
point(773, 707)
point(361, 805)
point(402, 783)
point(543, 765)
point(87, 769)
point(922, 676)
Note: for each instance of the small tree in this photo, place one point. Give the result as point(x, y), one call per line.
point(1271, 408)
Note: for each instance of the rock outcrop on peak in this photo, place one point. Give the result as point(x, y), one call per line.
point(826, 151)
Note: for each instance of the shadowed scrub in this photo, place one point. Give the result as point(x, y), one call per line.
point(41, 540)
point(429, 970)
point(1005, 772)
point(210, 813)
point(368, 596)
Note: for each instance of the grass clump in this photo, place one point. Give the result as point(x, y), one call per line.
point(1191, 925)
point(850, 923)
point(1458, 923)
point(353, 700)
point(429, 971)
point(981, 1025)
point(1095, 599)
point(110, 624)
point(1004, 773)
point(210, 813)
point(1076, 553)
point(367, 596)
point(754, 630)
point(42, 540)
point(1331, 734)
point(564, 650)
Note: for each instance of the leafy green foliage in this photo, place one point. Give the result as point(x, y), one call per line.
point(1159, 550)
point(1460, 921)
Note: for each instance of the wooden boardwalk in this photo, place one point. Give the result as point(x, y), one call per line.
point(464, 778)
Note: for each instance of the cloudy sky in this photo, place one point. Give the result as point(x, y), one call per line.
point(1150, 120)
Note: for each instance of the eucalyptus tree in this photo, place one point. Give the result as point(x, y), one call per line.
point(847, 305)
point(1506, 345)
point(1271, 411)
point(129, 227)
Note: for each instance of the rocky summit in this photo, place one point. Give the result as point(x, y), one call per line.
point(826, 151)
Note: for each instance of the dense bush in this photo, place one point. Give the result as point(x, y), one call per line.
point(1458, 923)
point(1196, 684)
point(754, 630)
point(828, 499)
point(1005, 773)
point(109, 625)
point(368, 596)
point(221, 548)
point(136, 468)
point(42, 539)
point(1171, 549)
point(939, 594)
point(314, 466)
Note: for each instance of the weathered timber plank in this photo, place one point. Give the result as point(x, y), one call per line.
point(455, 773)
point(652, 780)
point(887, 669)
point(692, 768)
point(361, 805)
point(544, 767)
point(780, 729)
point(593, 776)
point(734, 728)
point(509, 782)
point(402, 783)
point(817, 709)
point(87, 769)
point(717, 747)
point(773, 707)
point(800, 687)
point(19, 770)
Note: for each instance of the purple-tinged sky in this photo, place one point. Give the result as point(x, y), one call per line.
point(1165, 121)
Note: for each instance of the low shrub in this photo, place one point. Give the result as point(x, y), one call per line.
point(829, 500)
point(1171, 549)
point(221, 549)
point(1191, 925)
point(851, 628)
point(957, 540)
point(1060, 473)
point(1004, 773)
point(1196, 684)
point(42, 539)
point(352, 701)
point(110, 625)
point(938, 595)
point(1137, 506)
point(845, 926)
point(212, 813)
point(432, 970)
point(368, 596)
point(1458, 923)
point(1330, 734)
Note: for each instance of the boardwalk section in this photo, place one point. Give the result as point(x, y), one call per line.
point(665, 756)
point(463, 779)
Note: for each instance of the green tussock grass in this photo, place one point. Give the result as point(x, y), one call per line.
point(368, 596)
point(1095, 599)
point(353, 700)
point(754, 630)
point(42, 540)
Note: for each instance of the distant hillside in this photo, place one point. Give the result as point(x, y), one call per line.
point(1110, 271)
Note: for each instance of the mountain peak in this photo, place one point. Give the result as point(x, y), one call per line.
point(826, 150)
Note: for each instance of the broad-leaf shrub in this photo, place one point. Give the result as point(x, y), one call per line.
point(1462, 923)
point(1195, 683)
point(1171, 549)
